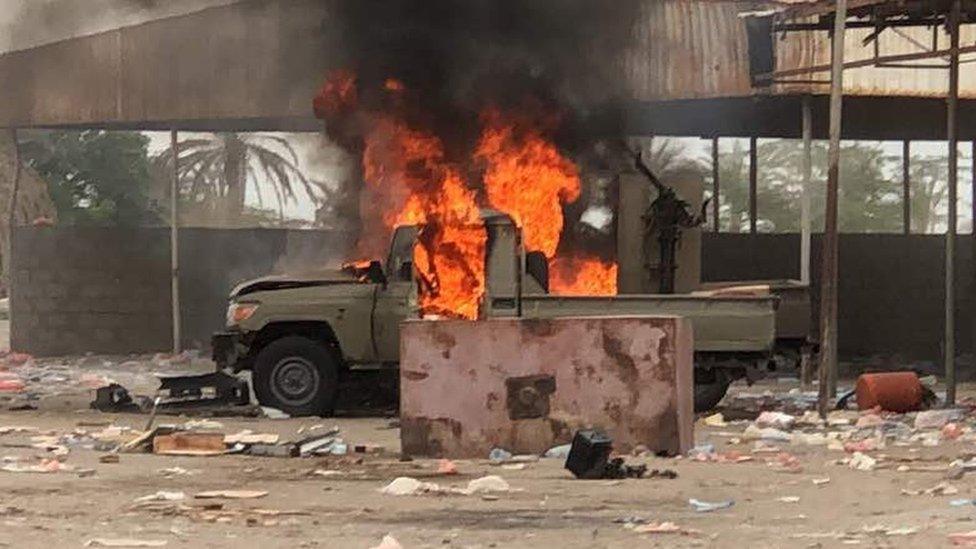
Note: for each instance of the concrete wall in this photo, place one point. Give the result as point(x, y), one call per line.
point(891, 286)
point(99, 289)
point(108, 290)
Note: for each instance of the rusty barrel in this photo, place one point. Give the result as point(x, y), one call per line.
point(893, 391)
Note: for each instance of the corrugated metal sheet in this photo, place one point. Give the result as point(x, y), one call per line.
point(686, 49)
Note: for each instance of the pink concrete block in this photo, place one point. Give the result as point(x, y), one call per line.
point(527, 385)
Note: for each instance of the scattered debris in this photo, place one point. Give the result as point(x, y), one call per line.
point(753, 432)
point(446, 467)
point(707, 506)
point(488, 484)
point(388, 542)
point(274, 413)
point(162, 496)
point(862, 462)
point(498, 455)
point(189, 444)
point(408, 486)
point(715, 420)
point(231, 494)
point(966, 539)
point(777, 420)
point(122, 542)
point(589, 454)
point(558, 452)
point(45, 466)
point(936, 419)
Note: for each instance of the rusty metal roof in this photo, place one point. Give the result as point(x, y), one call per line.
point(685, 49)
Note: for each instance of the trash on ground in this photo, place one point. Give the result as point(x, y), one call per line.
point(715, 420)
point(862, 462)
point(446, 467)
point(778, 420)
point(274, 413)
point(122, 542)
point(709, 506)
point(189, 444)
point(589, 454)
point(753, 432)
point(486, 485)
point(936, 419)
point(231, 494)
point(388, 542)
point(499, 455)
point(162, 496)
point(408, 486)
point(965, 539)
point(557, 452)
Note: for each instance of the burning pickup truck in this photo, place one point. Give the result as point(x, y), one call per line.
point(299, 335)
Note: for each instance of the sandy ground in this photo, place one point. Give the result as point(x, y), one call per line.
point(547, 507)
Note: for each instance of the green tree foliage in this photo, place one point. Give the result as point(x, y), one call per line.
point(869, 197)
point(215, 170)
point(95, 177)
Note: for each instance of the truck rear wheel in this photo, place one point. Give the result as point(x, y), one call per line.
point(710, 389)
point(298, 376)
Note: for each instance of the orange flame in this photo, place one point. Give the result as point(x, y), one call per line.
point(528, 179)
point(581, 275)
point(408, 181)
point(338, 94)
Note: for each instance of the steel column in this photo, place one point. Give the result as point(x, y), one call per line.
point(828, 272)
point(174, 240)
point(952, 103)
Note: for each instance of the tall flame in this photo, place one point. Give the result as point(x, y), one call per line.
point(408, 180)
point(528, 178)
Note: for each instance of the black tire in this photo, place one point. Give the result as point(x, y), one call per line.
point(298, 376)
point(710, 389)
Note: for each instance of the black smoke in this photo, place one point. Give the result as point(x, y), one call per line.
point(457, 56)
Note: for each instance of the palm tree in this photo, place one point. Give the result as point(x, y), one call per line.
point(214, 172)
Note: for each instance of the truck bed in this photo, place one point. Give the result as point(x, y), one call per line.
point(721, 324)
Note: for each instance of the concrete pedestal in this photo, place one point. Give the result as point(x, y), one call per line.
point(527, 385)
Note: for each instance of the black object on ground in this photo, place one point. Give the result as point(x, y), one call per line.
point(616, 468)
point(589, 454)
point(217, 388)
point(114, 398)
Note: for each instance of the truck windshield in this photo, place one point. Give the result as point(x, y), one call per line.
point(399, 266)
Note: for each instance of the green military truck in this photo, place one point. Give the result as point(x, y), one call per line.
point(299, 335)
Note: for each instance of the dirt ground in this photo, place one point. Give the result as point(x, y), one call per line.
point(545, 508)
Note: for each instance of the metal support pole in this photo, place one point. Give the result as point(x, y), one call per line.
point(174, 240)
point(715, 185)
point(906, 186)
point(753, 185)
point(828, 272)
point(952, 103)
point(805, 198)
point(12, 211)
point(806, 373)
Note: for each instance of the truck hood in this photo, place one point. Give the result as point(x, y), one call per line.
point(283, 282)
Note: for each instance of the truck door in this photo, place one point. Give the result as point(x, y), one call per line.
point(397, 301)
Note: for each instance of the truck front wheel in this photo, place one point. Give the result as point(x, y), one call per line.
point(298, 376)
